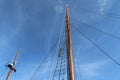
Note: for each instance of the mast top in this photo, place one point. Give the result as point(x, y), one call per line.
point(66, 5)
point(67, 18)
point(67, 12)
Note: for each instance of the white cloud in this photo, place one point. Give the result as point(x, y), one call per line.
point(59, 9)
point(105, 5)
point(102, 4)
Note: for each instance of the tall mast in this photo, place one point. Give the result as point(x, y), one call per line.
point(69, 47)
point(11, 66)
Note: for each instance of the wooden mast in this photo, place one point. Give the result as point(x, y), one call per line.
point(69, 47)
point(11, 66)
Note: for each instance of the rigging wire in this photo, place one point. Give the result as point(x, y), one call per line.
point(93, 28)
point(61, 64)
point(44, 60)
point(3, 75)
point(54, 68)
point(81, 78)
point(59, 43)
point(105, 53)
point(54, 64)
point(75, 60)
point(14, 76)
point(54, 71)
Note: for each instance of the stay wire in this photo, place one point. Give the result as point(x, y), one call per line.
point(90, 27)
point(55, 68)
point(81, 78)
point(76, 61)
point(59, 43)
point(13, 77)
point(105, 53)
point(93, 28)
point(3, 74)
point(32, 78)
point(56, 62)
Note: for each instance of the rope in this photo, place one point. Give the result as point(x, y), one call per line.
point(60, 66)
point(105, 53)
point(93, 28)
point(75, 61)
point(3, 74)
point(37, 70)
point(59, 44)
point(81, 78)
point(88, 26)
point(14, 77)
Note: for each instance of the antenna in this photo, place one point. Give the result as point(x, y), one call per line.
point(11, 65)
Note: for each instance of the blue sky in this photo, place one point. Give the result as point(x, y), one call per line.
point(34, 27)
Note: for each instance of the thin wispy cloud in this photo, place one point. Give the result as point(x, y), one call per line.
point(104, 5)
point(59, 9)
point(61, 1)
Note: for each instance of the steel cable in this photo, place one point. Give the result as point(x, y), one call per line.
point(32, 78)
point(93, 28)
point(105, 53)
